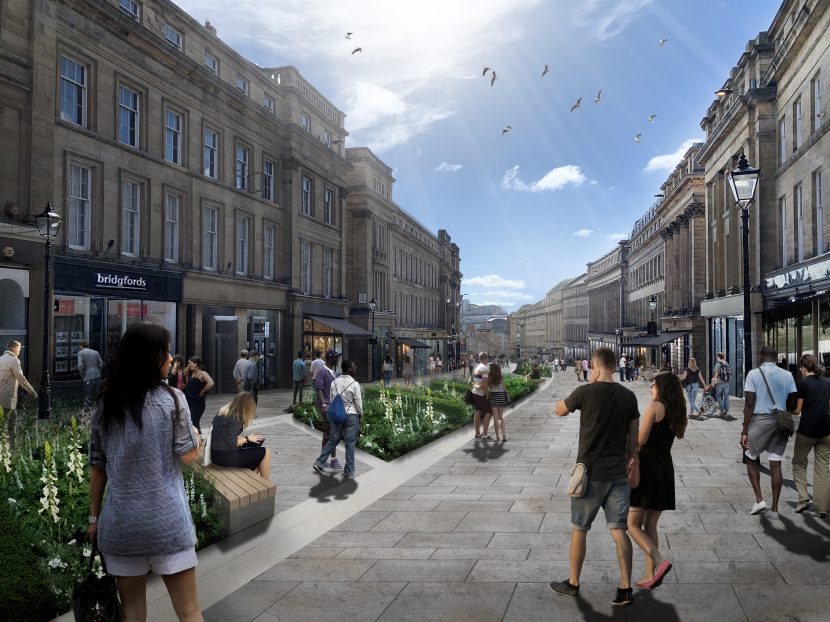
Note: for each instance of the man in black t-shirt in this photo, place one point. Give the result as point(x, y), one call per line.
point(608, 429)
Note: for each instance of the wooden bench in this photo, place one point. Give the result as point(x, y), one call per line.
point(248, 499)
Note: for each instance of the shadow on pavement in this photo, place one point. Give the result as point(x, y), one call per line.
point(331, 488)
point(787, 482)
point(799, 541)
point(484, 451)
point(645, 607)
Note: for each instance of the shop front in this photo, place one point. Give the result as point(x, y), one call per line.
point(725, 327)
point(417, 351)
point(97, 301)
point(14, 302)
point(323, 332)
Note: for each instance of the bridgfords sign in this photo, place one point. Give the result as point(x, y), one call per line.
point(120, 281)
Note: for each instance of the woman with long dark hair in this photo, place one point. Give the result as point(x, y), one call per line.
point(813, 433)
point(198, 383)
point(664, 420)
point(140, 434)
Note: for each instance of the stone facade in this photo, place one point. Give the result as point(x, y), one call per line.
point(606, 282)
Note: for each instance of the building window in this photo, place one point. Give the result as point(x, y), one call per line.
point(268, 238)
point(172, 214)
point(306, 204)
point(305, 266)
point(211, 146)
point(797, 124)
point(782, 210)
point(819, 217)
point(243, 232)
point(798, 219)
point(80, 206)
point(818, 115)
point(209, 238)
point(130, 7)
point(242, 84)
point(241, 167)
point(782, 140)
point(306, 122)
point(173, 37)
point(328, 206)
point(268, 103)
point(73, 91)
point(326, 138)
point(267, 180)
point(130, 218)
point(327, 272)
point(211, 63)
point(173, 137)
point(128, 116)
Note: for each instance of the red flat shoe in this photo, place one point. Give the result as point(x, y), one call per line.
point(659, 575)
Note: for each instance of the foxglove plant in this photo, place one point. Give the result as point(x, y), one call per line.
point(75, 463)
point(49, 502)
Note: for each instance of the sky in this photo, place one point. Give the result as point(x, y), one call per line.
point(530, 206)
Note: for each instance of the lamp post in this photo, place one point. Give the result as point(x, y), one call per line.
point(373, 305)
point(743, 181)
point(48, 224)
point(619, 346)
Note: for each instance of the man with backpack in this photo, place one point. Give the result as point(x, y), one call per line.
point(720, 380)
point(343, 414)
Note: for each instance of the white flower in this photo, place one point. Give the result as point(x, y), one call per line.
point(57, 562)
point(72, 541)
point(87, 551)
point(10, 500)
point(49, 501)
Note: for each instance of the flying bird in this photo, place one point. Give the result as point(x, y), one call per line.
point(507, 129)
point(356, 50)
point(577, 104)
point(349, 35)
point(637, 138)
point(598, 98)
point(484, 72)
point(545, 71)
point(651, 118)
point(663, 42)
point(493, 79)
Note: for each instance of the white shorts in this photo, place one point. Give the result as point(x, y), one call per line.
point(770, 456)
point(139, 565)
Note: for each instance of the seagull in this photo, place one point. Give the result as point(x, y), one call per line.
point(663, 42)
point(545, 71)
point(598, 99)
point(493, 79)
point(349, 35)
point(507, 129)
point(484, 72)
point(356, 50)
point(577, 104)
point(651, 118)
point(637, 138)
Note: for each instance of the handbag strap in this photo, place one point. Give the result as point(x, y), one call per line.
point(774, 405)
point(92, 555)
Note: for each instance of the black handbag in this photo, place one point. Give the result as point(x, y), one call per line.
point(96, 599)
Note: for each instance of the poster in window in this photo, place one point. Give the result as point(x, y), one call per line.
point(73, 364)
point(62, 337)
point(77, 335)
point(61, 352)
point(61, 367)
point(74, 349)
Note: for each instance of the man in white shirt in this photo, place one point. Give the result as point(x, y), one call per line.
point(760, 430)
point(11, 376)
point(480, 401)
point(317, 364)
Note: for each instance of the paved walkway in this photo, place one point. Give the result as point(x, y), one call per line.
point(464, 530)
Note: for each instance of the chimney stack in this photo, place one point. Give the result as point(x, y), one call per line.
point(209, 28)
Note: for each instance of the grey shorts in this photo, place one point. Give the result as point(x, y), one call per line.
point(612, 496)
point(764, 436)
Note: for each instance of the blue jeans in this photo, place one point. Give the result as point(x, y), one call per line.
point(348, 432)
point(691, 391)
point(722, 396)
point(622, 374)
point(387, 379)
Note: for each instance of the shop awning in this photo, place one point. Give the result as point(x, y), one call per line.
point(341, 326)
point(412, 343)
point(657, 340)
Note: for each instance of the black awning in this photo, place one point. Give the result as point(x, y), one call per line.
point(413, 343)
point(341, 326)
point(657, 340)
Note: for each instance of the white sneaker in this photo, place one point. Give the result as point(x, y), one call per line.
point(759, 507)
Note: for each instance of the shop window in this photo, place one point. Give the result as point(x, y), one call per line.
point(76, 319)
point(121, 314)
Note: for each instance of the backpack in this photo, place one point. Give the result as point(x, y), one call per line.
point(337, 408)
point(723, 373)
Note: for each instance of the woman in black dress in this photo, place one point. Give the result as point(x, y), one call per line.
point(664, 420)
point(198, 384)
point(228, 446)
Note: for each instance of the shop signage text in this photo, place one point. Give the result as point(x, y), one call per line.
point(120, 281)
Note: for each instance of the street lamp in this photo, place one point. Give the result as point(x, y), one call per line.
point(652, 305)
point(48, 224)
point(743, 181)
point(617, 339)
point(373, 305)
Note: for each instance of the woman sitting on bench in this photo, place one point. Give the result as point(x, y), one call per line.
point(229, 448)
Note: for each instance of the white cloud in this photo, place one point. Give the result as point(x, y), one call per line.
point(668, 161)
point(617, 236)
point(594, 182)
point(583, 233)
point(603, 19)
point(553, 180)
point(446, 167)
point(493, 280)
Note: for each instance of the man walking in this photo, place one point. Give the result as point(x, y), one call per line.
point(238, 371)
point(251, 375)
point(721, 378)
point(348, 389)
point(11, 375)
point(767, 389)
point(298, 371)
point(608, 429)
point(89, 367)
point(584, 365)
point(480, 401)
point(322, 389)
